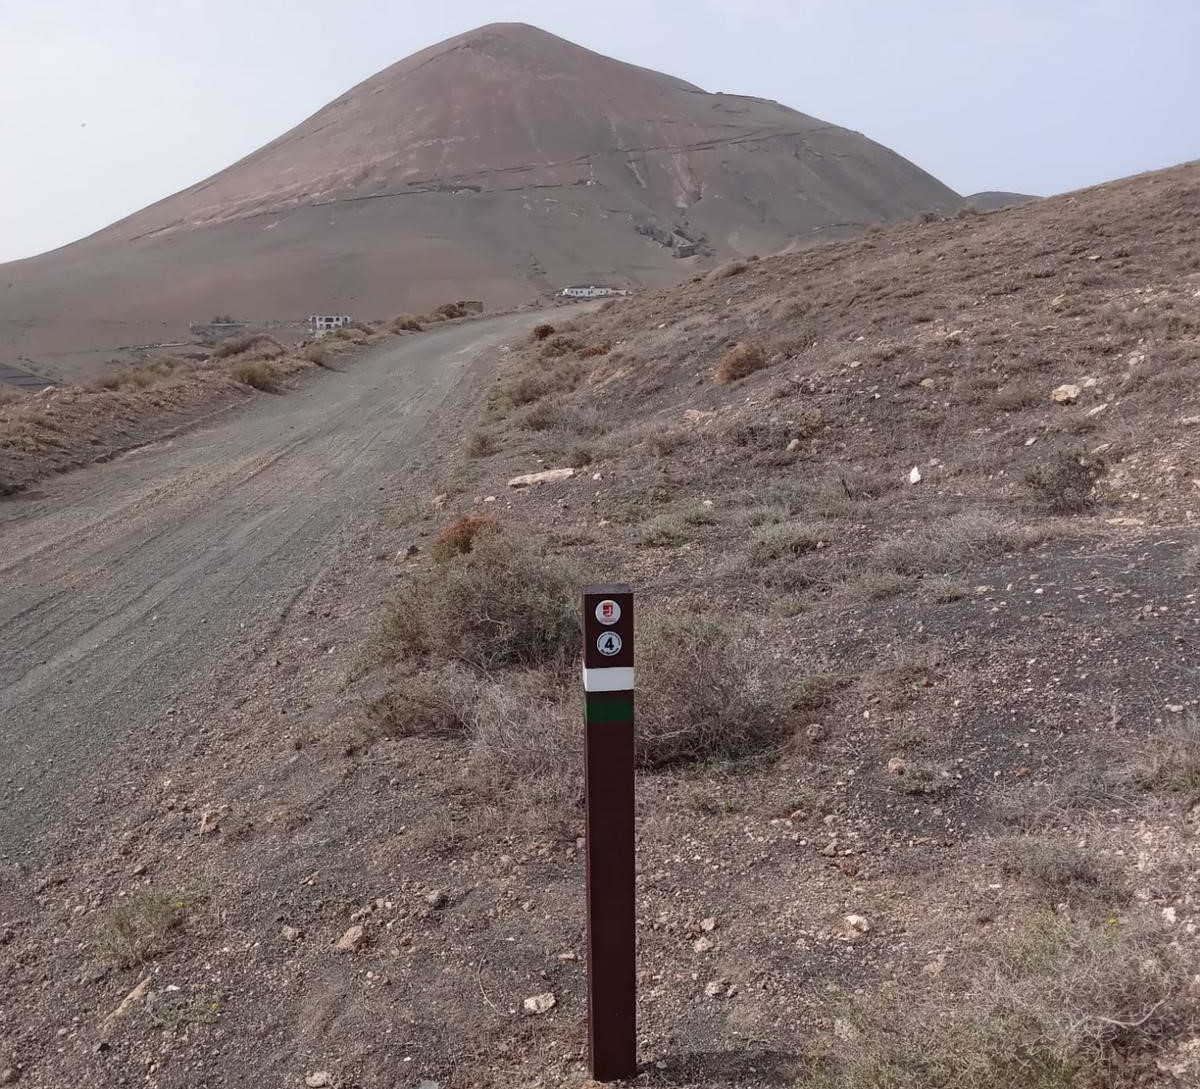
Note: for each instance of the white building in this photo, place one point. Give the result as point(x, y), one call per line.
point(589, 291)
point(326, 323)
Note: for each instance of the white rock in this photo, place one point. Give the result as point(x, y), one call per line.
point(352, 940)
point(540, 1003)
point(793, 446)
point(1089, 383)
point(1097, 410)
point(928, 383)
point(857, 924)
point(489, 499)
point(210, 820)
point(290, 934)
point(703, 945)
point(896, 766)
point(714, 989)
point(1190, 421)
point(546, 476)
point(708, 925)
point(1066, 394)
point(914, 477)
point(319, 1079)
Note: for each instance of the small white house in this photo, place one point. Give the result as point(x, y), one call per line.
point(588, 291)
point(326, 323)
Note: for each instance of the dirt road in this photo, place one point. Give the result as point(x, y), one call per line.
point(128, 589)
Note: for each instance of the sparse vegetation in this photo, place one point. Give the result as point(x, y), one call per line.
point(1063, 871)
point(1064, 1005)
point(952, 544)
point(405, 323)
point(542, 331)
point(139, 926)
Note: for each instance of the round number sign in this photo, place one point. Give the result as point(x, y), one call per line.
point(609, 644)
point(608, 611)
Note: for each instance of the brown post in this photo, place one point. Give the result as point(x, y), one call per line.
point(608, 799)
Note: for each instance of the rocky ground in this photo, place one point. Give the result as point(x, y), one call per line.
point(933, 818)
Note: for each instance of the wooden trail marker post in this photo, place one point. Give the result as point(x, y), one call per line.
point(608, 800)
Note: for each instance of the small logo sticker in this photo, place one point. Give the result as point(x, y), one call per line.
point(609, 644)
point(608, 611)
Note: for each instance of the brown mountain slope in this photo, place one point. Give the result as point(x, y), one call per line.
point(501, 164)
point(993, 201)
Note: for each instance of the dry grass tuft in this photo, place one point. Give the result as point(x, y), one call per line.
point(950, 545)
point(741, 360)
point(138, 927)
point(1170, 761)
point(705, 691)
point(1063, 871)
point(542, 331)
point(405, 323)
point(1063, 1005)
point(458, 537)
point(1066, 484)
point(784, 541)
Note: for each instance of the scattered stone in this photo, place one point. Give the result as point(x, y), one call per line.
point(698, 415)
point(320, 1079)
point(928, 383)
point(815, 731)
point(1093, 412)
point(896, 766)
point(539, 1004)
point(290, 934)
point(714, 989)
point(210, 821)
point(793, 446)
point(9, 1076)
point(1190, 421)
point(1066, 394)
point(352, 940)
point(546, 476)
point(489, 499)
point(703, 945)
point(856, 924)
point(708, 925)
point(439, 501)
point(437, 899)
point(127, 1003)
point(914, 477)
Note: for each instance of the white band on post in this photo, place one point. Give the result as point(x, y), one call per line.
point(618, 679)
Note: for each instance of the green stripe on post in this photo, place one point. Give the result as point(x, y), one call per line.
point(610, 710)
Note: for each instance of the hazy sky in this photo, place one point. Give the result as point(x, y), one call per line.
point(108, 105)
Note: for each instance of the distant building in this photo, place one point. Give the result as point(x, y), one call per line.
point(326, 323)
point(589, 291)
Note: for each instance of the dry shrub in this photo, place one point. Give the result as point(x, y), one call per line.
point(1170, 761)
point(951, 544)
point(257, 373)
point(784, 541)
point(139, 925)
point(450, 311)
point(500, 605)
point(250, 345)
point(1065, 484)
point(433, 702)
point(405, 323)
point(706, 690)
point(1063, 1005)
point(321, 353)
point(482, 443)
point(526, 740)
point(725, 271)
point(594, 350)
point(558, 346)
point(542, 331)
point(457, 538)
point(1063, 871)
point(741, 360)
